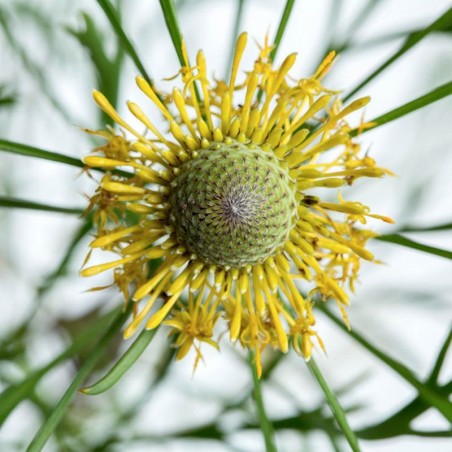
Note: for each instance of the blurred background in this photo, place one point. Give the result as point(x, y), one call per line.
point(49, 67)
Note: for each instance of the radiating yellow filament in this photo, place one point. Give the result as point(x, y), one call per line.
point(237, 317)
point(135, 323)
point(96, 269)
point(139, 114)
point(250, 90)
point(146, 288)
point(239, 49)
point(147, 89)
point(158, 317)
point(283, 70)
point(201, 61)
point(118, 187)
point(281, 334)
point(180, 104)
point(105, 105)
point(297, 157)
point(225, 112)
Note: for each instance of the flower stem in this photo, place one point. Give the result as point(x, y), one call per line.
point(336, 408)
point(169, 13)
point(441, 23)
point(112, 16)
point(122, 365)
point(282, 27)
point(235, 34)
point(24, 204)
point(433, 96)
point(30, 151)
point(278, 37)
point(266, 425)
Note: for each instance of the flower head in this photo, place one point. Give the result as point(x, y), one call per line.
point(222, 206)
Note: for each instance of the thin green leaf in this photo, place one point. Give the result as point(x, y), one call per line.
point(265, 424)
point(431, 434)
point(399, 423)
point(358, 22)
point(30, 151)
point(281, 28)
point(13, 395)
point(43, 434)
point(335, 406)
point(403, 241)
point(430, 394)
point(126, 43)
point(279, 35)
point(234, 36)
point(169, 13)
point(334, 13)
point(444, 21)
point(439, 227)
point(440, 359)
point(7, 97)
point(421, 102)
point(24, 204)
point(122, 365)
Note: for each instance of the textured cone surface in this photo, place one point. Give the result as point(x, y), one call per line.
point(233, 205)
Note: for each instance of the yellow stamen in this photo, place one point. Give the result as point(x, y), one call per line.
point(147, 89)
point(135, 323)
point(250, 90)
point(110, 238)
point(239, 49)
point(118, 187)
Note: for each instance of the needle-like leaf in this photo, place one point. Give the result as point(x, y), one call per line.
point(335, 406)
point(122, 365)
point(30, 151)
point(444, 21)
point(24, 204)
point(404, 241)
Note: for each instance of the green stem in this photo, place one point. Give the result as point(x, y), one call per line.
point(421, 102)
point(43, 434)
point(437, 227)
point(24, 204)
point(335, 406)
point(403, 241)
point(169, 13)
point(126, 43)
point(433, 379)
point(359, 21)
point(278, 37)
point(235, 34)
point(122, 365)
point(442, 22)
point(281, 28)
point(265, 424)
point(30, 151)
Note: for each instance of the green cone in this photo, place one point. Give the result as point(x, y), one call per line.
point(233, 205)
